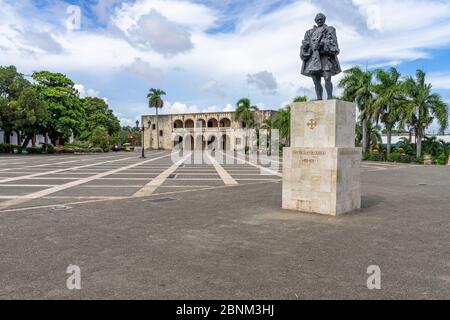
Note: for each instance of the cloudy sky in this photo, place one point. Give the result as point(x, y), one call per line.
point(207, 54)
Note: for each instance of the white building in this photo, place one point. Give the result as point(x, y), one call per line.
point(396, 139)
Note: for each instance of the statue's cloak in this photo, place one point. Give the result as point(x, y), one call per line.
point(326, 59)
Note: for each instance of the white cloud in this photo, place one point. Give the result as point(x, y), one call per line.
point(212, 87)
point(43, 41)
point(154, 31)
point(264, 81)
point(143, 70)
point(87, 92)
point(216, 65)
point(439, 80)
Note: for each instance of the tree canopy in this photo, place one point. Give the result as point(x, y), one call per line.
point(50, 105)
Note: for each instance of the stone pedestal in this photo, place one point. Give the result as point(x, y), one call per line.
point(321, 171)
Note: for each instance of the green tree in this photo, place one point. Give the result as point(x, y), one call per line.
point(244, 112)
point(406, 146)
point(155, 101)
point(283, 120)
point(98, 114)
point(30, 113)
point(268, 124)
point(432, 146)
point(12, 83)
point(374, 135)
point(100, 138)
point(65, 113)
point(358, 87)
point(283, 124)
point(389, 102)
point(423, 107)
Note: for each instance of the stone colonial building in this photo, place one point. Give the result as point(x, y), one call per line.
point(197, 130)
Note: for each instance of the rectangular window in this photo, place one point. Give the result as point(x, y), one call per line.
point(153, 126)
point(160, 133)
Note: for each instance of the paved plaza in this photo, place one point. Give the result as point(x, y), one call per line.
point(154, 229)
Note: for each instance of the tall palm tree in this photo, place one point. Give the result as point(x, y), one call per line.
point(374, 135)
point(155, 101)
point(283, 123)
point(244, 112)
point(268, 124)
point(283, 120)
point(358, 87)
point(389, 102)
point(423, 107)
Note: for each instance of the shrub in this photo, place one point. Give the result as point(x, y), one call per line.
point(393, 157)
point(420, 160)
point(34, 150)
point(78, 145)
point(100, 138)
point(5, 148)
point(16, 149)
point(374, 156)
point(48, 148)
point(404, 158)
point(442, 159)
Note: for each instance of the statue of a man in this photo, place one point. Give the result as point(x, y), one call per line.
point(319, 53)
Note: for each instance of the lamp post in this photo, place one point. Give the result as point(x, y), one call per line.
point(143, 135)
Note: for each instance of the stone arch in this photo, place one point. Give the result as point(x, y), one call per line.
point(189, 142)
point(178, 124)
point(212, 141)
point(200, 123)
point(225, 142)
point(213, 123)
point(189, 124)
point(225, 123)
point(177, 140)
point(200, 143)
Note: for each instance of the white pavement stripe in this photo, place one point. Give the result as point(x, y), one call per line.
point(27, 185)
point(55, 163)
point(112, 186)
point(62, 187)
point(227, 179)
point(60, 170)
point(150, 187)
point(263, 169)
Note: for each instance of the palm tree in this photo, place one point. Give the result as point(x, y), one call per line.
point(374, 135)
point(244, 112)
point(268, 124)
point(423, 107)
point(283, 120)
point(283, 124)
point(389, 102)
point(433, 146)
point(406, 145)
point(155, 101)
point(358, 87)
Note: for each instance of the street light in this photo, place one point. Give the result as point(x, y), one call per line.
point(143, 135)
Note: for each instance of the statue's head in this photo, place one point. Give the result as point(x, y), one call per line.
point(320, 19)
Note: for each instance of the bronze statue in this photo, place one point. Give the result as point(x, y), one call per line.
point(319, 53)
